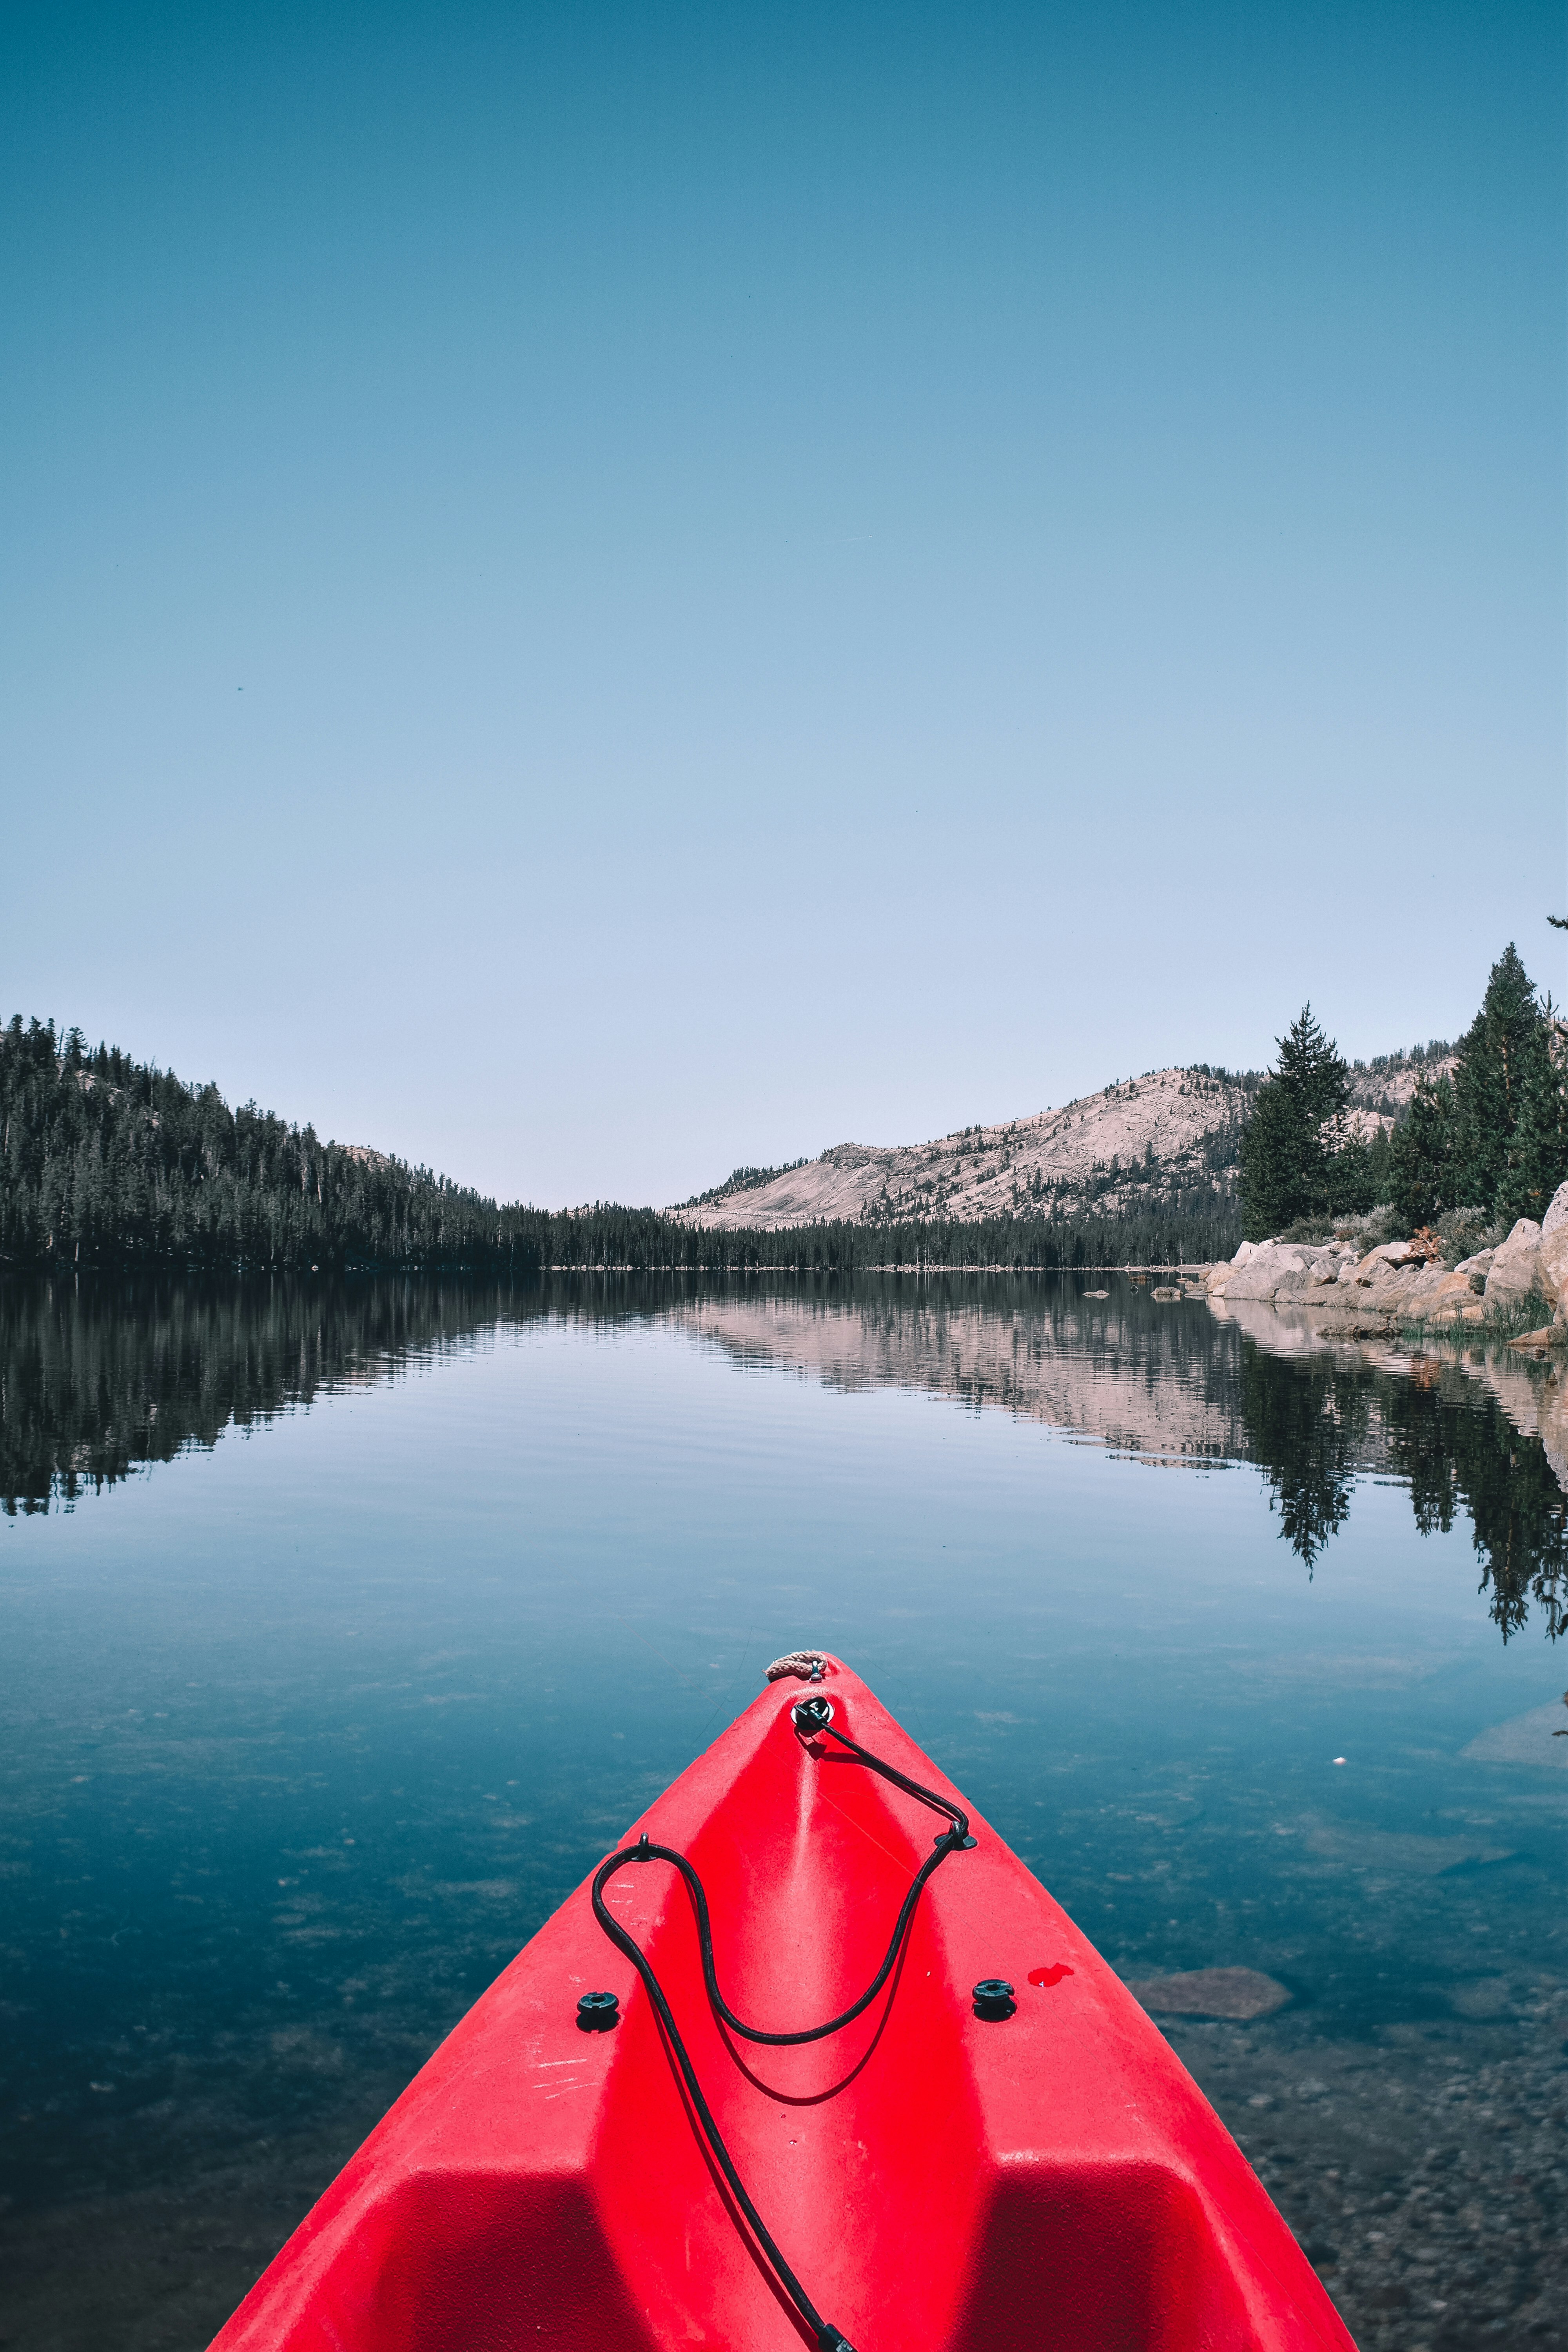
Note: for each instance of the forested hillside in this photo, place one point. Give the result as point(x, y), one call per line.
point(105, 1160)
point(108, 1162)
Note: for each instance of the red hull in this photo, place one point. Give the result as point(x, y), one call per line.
point(1053, 2183)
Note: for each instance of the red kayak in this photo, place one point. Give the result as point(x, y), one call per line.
point(812, 2059)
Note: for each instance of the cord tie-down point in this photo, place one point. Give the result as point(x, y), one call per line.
point(809, 1664)
point(817, 1714)
point(812, 1715)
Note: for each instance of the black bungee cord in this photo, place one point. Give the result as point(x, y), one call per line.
point(812, 1716)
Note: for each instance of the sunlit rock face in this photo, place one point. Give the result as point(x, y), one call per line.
point(1171, 1129)
point(1143, 1141)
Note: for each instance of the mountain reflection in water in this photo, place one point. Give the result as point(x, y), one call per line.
point(98, 1380)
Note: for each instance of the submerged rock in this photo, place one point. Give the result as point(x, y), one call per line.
point(1539, 1737)
point(1241, 1994)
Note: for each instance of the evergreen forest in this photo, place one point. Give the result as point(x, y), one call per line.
point(106, 1161)
point(110, 1163)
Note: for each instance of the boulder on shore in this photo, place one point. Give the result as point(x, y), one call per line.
point(1556, 1215)
point(1218, 1276)
point(1552, 1262)
point(1448, 1295)
point(1399, 1280)
point(1261, 1270)
point(1388, 1258)
point(1516, 1268)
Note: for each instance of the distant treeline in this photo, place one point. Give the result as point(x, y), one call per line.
point(108, 1162)
point(641, 1239)
point(744, 1179)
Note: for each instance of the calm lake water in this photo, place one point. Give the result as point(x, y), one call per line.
point(346, 1626)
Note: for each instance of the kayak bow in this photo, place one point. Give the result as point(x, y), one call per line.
point(637, 2138)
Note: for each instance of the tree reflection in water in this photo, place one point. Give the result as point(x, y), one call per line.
point(1456, 1456)
point(1307, 1426)
point(1312, 1424)
point(99, 1379)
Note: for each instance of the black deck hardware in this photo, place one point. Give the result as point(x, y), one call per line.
point(994, 2000)
point(598, 2011)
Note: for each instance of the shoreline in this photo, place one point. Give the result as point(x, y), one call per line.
point(926, 1267)
point(143, 1270)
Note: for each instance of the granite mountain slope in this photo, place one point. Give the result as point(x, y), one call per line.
point(1170, 1139)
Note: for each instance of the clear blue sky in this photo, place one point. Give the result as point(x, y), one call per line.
point(591, 592)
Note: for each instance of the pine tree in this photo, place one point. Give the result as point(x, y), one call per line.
point(1421, 1157)
point(1271, 1151)
point(1489, 1085)
point(1296, 1135)
point(1379, 1166)
point(1310, 1066)
point(1537, 1158)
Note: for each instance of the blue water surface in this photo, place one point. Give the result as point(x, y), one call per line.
point(306, 1732)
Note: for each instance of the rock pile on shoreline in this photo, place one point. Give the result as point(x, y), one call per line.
point(1401, 1282)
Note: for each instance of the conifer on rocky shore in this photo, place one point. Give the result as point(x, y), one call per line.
point(1491, 1136)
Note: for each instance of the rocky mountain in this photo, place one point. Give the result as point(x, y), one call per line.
point(1169, 1139)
